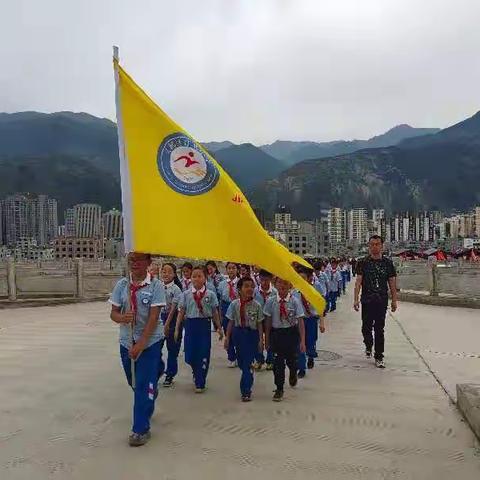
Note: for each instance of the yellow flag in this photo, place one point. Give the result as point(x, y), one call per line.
point(177, 200)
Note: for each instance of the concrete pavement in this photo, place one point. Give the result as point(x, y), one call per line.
point(65, 409)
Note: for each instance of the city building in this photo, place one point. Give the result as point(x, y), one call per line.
point(283, 220)
point(29, 216)
point(69, 222)
point(337, 225)
point(73, 247)
point(357, 226)
point(112, 224)
point(61, 231)
point(88, 220)
point(114, 248)
point(476, 214)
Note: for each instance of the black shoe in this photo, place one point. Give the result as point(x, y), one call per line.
point(301, 374)
point(368, 353)
point(293, 378)
point(278, 396)
point(310, 363)
point(168, 382)
point(247, 398)
point(379, 363)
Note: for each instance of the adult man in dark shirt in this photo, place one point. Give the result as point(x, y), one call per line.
point(375, 274)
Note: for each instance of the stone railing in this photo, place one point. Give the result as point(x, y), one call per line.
point(460, 280)
point(77, 278)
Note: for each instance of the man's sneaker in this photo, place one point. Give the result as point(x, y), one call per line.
point(310, 363)
point(137, 439)
point(293, 379)
point(301, 373)
point(278, 396)
point(269, 366)
point(258, 366)
point(380, 363)
point(200, 389)
point(368, 353)
point(247, 398)
point(168, 382)
point(232, 364)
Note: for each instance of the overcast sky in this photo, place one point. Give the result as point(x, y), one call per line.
point(250, 70)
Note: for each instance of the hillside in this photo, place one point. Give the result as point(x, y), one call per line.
point(294, 152)
point(439, 171)
point(62, 133)
point(248, 165)
point(68, 179)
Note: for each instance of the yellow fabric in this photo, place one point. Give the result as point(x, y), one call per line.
point(212, 225)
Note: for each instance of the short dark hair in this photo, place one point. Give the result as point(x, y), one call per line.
point(187, 265)
point(376, 237)
point(244, 280)
point(265, 274)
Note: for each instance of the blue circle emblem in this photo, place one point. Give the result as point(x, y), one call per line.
point(184, 166)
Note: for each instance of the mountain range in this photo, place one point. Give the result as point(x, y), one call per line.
point(74, 157)
point(434, 171)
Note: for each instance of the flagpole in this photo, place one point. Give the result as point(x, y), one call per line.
point(125, 199)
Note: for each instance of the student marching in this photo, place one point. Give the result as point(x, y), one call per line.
point(265, 321)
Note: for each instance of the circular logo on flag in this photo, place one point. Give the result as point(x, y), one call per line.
point(184, 166)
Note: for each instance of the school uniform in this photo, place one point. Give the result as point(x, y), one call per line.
point(246, 338)
point(172, 294)
point(150, 293)
point(343, 273)
point(227, 292)
point(334, 278)
point(284, 336)
point(186, 283)
point(311, 332)
point(261, 297)
point(198, 339)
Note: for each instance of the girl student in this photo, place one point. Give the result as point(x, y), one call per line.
point(263, 291)
point(284, 332)
point(136, 303)
point(197, 307)
point(227, 292)
point(311, 321)
point(245, 327)
point(173, 292)
point(186, 279)
point(214, 277)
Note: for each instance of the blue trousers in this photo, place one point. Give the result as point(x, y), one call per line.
point(349, 275)
point(246, 341)
point(332, 301)
point(198, 343)
point(147, 373)
point(231, 352)
point(311, 337)
point(173, 347)
point(344, 281)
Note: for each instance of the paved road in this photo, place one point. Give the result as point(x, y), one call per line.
point(65, 410)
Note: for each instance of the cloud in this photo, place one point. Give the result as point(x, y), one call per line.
point(250, 70)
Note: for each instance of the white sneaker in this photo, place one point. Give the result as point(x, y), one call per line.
point(380, 363)
point(232, 364)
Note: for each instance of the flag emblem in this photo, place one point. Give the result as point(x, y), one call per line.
point(184, 166)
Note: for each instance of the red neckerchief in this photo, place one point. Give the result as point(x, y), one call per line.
point(133, 293)
point(231, 290)
point(306, 305)
point(243, 317)
point(283, 308)
point(198, 297)
point(186, 283)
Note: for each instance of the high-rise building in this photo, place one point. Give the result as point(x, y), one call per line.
point(69, 222)
point(47, 219)
point(337, 225)
point(476, 214)
point(112, 224)
point(357, 227)
point(88, 220)
point(27, 216)
point(283, 220)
